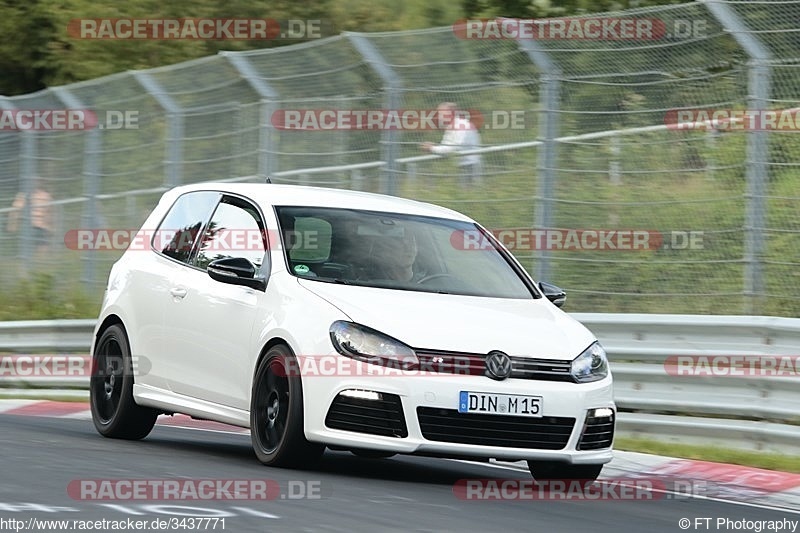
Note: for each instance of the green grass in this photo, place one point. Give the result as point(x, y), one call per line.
point(769, 461)
point(40, 296)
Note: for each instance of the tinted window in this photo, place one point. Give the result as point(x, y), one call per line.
point(235, 230)
point(178, 231)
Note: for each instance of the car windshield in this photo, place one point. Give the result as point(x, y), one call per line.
point(396, 251)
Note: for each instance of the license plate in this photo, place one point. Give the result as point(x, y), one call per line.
point(499, 404)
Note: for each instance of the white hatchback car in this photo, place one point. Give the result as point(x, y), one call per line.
point(319, 317)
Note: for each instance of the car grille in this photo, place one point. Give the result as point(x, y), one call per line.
point(475, 365)
point(448, 425)
point(375, 417)
point(598, 433)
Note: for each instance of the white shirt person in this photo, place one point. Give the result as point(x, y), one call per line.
point(460, 135)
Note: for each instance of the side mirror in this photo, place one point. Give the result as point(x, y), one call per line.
point(236, 271)
point(553, 293)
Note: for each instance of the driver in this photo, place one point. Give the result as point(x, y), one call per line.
point(396, 256)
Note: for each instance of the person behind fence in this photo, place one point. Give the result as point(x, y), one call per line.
point(41, 214)
point(460, 135)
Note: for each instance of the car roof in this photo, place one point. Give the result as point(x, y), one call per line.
point(270, 194)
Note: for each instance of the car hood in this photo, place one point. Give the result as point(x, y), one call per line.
point(532, 328)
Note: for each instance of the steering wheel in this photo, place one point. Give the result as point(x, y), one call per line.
point(430, 277)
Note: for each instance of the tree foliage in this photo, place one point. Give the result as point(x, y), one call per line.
point(38, 52)
point(552, 8)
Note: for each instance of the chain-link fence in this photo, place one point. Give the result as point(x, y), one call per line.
point(576, 133)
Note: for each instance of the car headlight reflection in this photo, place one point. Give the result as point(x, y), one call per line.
point(365, 344)
point(591, 365)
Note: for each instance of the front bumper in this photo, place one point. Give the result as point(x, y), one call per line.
point(441, 391)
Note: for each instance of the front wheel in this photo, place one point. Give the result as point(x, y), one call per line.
point(554, 470)
point(276, 413)
point(114, 412)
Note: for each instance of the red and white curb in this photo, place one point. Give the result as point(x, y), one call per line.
point(81, 411)
point(740, 485)
point(728, 482)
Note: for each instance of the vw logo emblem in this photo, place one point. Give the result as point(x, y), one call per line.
point(498, 366)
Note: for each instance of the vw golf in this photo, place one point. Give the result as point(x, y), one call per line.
point(354, 321)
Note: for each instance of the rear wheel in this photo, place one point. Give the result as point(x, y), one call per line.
point(114, 412)
point(276, 413)
point(554, 470)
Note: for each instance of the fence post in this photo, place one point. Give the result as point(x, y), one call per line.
point(175, 135)
point(356, 180)
point(27, 171)
point(549, 100)
point(614, 170)
point(392, 84)
point(759, 76)
point(92, 147)
point(267, 152)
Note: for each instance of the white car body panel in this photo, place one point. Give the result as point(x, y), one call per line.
point(470, 324)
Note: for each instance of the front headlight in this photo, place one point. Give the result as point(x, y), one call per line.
point(591, 365)
point(365, 344)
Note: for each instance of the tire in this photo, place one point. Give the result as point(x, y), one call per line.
point(276, 414)
point(554, 470)
point(372, 454)
point(114, 411)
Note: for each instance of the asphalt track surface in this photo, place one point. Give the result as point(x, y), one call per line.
point(40, 456)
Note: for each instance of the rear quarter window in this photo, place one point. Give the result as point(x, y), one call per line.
point(179, 230)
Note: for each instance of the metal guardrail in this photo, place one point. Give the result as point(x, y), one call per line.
point(652, 337)
point(37, 336)
point(749, 412)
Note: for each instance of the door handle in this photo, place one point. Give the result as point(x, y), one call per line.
point(178, 292)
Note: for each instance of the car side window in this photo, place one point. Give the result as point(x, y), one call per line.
point(235, 230)
point(178, 232)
